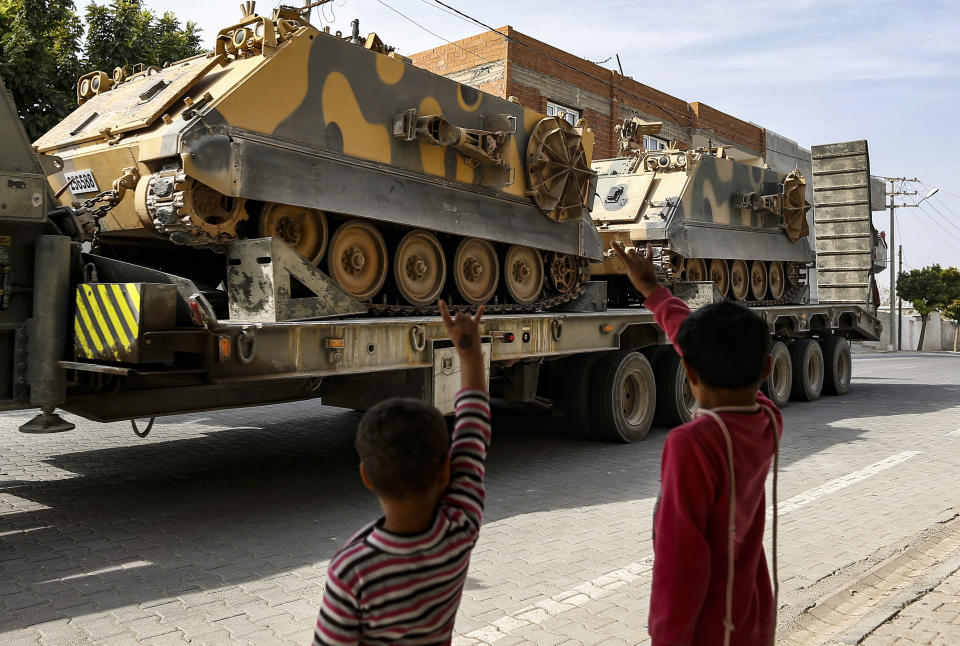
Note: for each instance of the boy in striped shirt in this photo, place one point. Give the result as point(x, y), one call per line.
point(399, 580)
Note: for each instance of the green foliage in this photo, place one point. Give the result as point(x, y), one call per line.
point(952, 311)
point(125, 33)
point(930, 288)
point(40, 59)
point(41, 56)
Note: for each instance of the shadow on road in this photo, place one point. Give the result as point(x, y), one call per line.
point(279, 490)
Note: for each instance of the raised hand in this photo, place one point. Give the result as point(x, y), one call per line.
point(464, 331)
point(639, 267)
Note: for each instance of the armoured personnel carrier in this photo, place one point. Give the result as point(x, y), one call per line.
point(404, 186)
point(708, 218)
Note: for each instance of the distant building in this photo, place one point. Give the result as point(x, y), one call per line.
point(550, 80)
point(544, 78)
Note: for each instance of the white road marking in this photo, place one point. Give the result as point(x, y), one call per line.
point(539, 612)
point(606, 584)
point(955, 433)
point(23, 531)
point(843, 482)
point(107, 570)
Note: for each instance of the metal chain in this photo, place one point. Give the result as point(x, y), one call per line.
point(109, 199)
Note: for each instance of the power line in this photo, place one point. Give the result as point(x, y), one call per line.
point(942, 228)
point(928, 187)
point(938, 212)
point(447, 11)
point(432, 33)
point(927, 225)
point(682, 118)
point(948, 220)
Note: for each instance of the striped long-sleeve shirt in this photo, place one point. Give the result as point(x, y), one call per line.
point(386, 588)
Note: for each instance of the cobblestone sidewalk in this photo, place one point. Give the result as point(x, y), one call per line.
point(932, 619)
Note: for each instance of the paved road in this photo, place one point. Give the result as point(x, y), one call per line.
point(217, 528)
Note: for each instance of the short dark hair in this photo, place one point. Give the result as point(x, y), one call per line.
point(402, 444)
point(726, 345)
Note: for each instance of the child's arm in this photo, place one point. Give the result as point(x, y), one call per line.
point(339, 620)
point(681, 569)
point(668, 310)
point(471, 433)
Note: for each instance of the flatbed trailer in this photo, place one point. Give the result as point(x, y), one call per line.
point(110, 340)
point(608, 370)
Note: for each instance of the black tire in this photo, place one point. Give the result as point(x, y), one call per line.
point(779, 382)
point(574, 391)
point(838, 367)
point(807, 360)
point(623, 397)
point(675, 402)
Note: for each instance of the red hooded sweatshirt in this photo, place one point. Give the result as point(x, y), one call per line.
point(688, 596)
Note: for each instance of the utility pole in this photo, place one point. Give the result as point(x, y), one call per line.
point(899, 300)
point(893, 192)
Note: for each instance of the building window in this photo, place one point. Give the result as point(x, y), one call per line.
point(570, 115)
point(653, 143)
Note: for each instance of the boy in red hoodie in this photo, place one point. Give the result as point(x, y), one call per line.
point(710, 579)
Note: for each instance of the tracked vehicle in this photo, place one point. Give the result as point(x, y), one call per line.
point(708, 217)
point(109, 339)
point(402, 185)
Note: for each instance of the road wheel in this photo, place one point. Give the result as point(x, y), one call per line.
point(303, 229)
point(675, 400)
point(807, 358)
point(357, 259)
point(577, 374)
point(720, 275)
point(523, 274)
point(739, 280)
point(758, 280)
point(778, 280)
point(476, 270)
point(838, 363)
point(623, 397)
point(696, 270)
point(779, 382)
point(419, 267)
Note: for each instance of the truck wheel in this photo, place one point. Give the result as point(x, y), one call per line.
point(838, 364)
point(675, 401)
point(575, 392)
point(807, 360)
point(779, 382)
point(623, 397)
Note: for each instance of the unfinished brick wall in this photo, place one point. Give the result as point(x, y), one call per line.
point(727, 126)
point(509, 63)
point(448, 59)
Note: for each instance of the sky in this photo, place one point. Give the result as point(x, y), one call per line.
point(816, 71)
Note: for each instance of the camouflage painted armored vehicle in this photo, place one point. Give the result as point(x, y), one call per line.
point(707, 216)
point(403, 185)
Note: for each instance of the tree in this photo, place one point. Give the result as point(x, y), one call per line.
point(929, 289)
point(952, 312)
point(41, 57)
point(125, 33)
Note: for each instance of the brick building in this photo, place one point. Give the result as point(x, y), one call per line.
point(544, 78)
point(548, 80)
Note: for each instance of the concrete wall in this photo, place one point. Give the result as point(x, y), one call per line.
point(939, 334)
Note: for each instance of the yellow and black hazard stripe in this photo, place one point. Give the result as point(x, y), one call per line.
point(106, 325)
